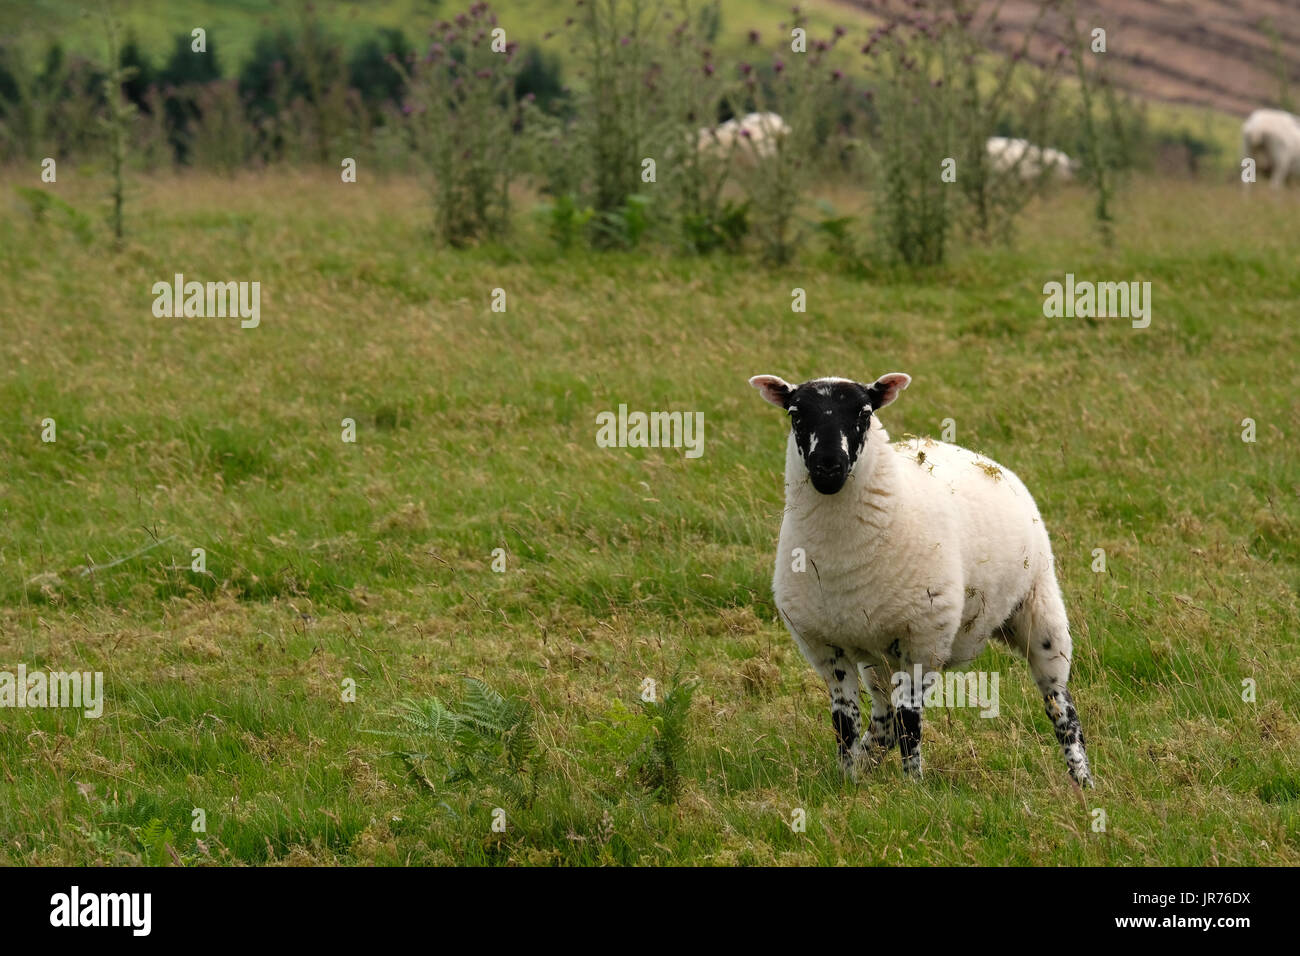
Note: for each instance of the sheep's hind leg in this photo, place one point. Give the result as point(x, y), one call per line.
point(882, 733)
point(841, 677)
point(1040, 631)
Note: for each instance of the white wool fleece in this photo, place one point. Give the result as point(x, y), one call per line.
point(928, 548)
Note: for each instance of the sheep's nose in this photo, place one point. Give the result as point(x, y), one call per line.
point(825, 467)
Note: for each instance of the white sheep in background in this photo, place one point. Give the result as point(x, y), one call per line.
point(1027, 161)
point(748, 139)
point(914, 555)
point(1272, 139)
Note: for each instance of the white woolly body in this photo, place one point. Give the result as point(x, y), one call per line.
point(745, 139)
point(927, 544)
point(1028, 161)
point(1272, 139)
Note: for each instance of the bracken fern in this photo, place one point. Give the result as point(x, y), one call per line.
point(488, 742)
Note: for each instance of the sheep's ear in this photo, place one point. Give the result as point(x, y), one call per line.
point(886, 388)
point(773, 388)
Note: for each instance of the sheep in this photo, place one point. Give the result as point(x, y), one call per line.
point(1028, 162)
point(749, 139)
point(912, 556)
point(1272, 139)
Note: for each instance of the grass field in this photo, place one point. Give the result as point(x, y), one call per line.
point(475, 431)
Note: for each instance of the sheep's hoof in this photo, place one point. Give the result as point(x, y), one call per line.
point(855, 764)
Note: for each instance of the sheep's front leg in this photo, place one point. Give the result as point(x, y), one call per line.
point(907, 726)
point(1278, 179)
point(1281, 167)
point(841, 677)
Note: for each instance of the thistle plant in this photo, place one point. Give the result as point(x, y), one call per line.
point(696, 169)
point(938, 95)
point(117, 123)
point(778, 174)
point(460, 96)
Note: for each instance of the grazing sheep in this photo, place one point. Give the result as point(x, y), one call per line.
point(1272, 139)
point(1028, 162)
point(915, 554)
point(748, 139)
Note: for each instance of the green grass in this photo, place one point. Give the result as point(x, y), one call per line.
point(476, 431)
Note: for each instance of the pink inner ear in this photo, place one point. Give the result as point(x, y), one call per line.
point(773, 388)
point(892, 383)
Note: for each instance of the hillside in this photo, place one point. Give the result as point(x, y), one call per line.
point(1230, 55)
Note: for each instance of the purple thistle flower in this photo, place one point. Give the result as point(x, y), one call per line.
point(778, 67)
point(753, 37)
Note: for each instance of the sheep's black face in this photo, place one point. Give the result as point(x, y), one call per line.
point(829, 419)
